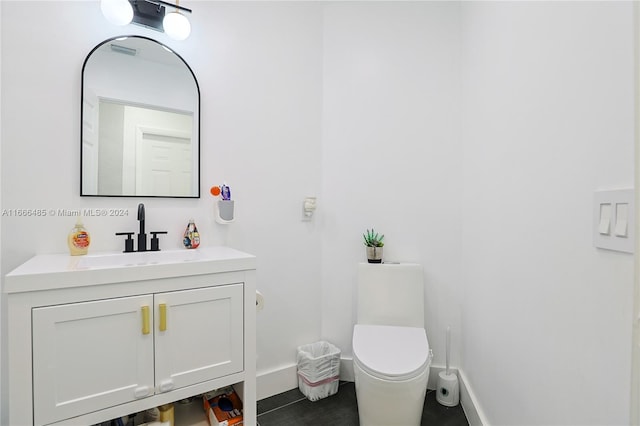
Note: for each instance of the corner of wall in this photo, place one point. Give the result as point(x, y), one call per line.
point(4, 386)
point(635, 360)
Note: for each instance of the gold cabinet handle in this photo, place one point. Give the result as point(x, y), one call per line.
point(146, 329)
point(163, 316)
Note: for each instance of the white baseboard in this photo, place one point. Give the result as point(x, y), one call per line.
point(276, 381)
point(285, 378)
point(470, 403)
point(346, 370)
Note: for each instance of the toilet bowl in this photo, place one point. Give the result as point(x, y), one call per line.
point(391, 354)
point(391, 367)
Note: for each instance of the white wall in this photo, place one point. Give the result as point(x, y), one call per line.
point(259, 69)
point(548, 118)
point(391, 154)
point(472, 134)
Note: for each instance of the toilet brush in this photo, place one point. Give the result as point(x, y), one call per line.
point(447, 389)
point(447, 350)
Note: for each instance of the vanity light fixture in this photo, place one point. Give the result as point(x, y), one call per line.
point(176, 25)
point(149, 13)
point(118, 12)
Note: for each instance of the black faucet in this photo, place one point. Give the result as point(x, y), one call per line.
point(142, 236)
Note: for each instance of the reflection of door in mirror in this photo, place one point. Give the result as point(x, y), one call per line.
point(140, 124)
point(145, 151)
point(163, 163)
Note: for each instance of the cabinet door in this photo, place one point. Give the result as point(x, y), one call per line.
point(199, 335)
point(89, 356)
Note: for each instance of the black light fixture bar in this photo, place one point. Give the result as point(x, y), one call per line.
point(168, 4)
point(150, 13)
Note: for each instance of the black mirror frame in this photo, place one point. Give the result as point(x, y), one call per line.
point(84, 64)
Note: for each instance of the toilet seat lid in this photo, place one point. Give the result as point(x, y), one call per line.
point(391, 352)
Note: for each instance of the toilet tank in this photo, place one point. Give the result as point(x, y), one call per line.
point(390, 294)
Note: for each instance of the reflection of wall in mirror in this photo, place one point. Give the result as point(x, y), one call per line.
point(127, 78)
point(89, 142)
point(110, 152)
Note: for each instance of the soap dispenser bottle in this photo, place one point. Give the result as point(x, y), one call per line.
point(78, 239)
point(191, 237)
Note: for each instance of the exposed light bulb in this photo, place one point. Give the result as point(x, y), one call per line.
point(176, 25)
point(118, 12)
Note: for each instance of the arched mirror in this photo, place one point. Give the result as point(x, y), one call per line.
point(140, 122)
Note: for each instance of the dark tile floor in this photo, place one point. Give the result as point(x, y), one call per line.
point(293, 408)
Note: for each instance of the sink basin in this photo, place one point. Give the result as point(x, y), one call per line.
point(114, 260)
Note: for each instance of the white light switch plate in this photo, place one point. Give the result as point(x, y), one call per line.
point(614, 220)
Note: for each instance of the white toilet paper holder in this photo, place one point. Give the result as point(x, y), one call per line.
point(259, 301)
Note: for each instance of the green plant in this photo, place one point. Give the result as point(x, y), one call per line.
point(373, 239)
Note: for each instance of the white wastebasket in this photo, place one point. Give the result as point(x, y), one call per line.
point(318, 370)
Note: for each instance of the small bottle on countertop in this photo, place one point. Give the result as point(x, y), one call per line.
point(78, 239)
point(191, 238)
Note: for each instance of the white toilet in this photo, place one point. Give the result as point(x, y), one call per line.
point(391, 355)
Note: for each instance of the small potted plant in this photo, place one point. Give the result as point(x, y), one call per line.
point(373, 242)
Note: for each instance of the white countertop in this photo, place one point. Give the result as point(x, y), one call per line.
point(63, 270)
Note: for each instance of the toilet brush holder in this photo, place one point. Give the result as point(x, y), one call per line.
point(448, 389)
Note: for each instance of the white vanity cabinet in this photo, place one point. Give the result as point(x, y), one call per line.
point(90, 343)
point(89, 355)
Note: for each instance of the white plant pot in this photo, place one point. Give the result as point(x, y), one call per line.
point(374, 254)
